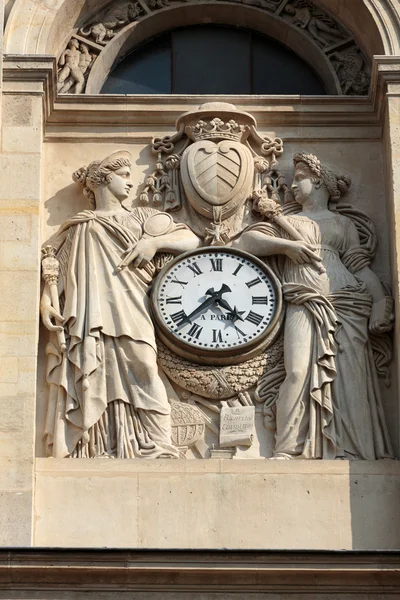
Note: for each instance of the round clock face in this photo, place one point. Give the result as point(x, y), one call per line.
point(213, 302)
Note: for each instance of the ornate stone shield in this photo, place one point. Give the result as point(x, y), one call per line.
point(217, 175)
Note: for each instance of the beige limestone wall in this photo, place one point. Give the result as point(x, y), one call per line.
point(20, 191)
point(329, 505)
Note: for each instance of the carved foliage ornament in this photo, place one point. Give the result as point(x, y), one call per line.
point(92, 34)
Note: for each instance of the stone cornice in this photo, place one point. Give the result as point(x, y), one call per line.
point(31, 74)
point(123, 115)
point(290, 572)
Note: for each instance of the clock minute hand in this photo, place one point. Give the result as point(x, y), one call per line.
point(197, 311)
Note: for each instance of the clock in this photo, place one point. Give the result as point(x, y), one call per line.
point(216, 306)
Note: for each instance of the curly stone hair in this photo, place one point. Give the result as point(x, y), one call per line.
point(336, 184)
point(98, 174)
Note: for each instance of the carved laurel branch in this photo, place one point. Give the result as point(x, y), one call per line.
point(350, 64)
point(218, 383)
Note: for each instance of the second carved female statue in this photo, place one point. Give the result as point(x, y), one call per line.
point(106, 396)
point(328, 405)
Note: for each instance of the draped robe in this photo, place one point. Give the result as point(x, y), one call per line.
point(329, 404)
point(106, 395)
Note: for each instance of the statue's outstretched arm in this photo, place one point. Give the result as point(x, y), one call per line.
point(260, 244)
point(180, 240)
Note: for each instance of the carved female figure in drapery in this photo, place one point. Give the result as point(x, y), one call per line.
point(106, 395)
point(328, 405)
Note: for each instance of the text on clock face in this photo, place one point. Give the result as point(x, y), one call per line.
point(214, 300)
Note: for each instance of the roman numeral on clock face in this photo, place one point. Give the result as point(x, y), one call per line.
point(179, 282)
point(260, 300)
point(216, 264)
point(195, 268)
point(195, 331)
point(253, 282)
point(176, 300)
point(217, 336)
point(254, 318)
point(239, 332)
point(236, 271)
point(179, 317)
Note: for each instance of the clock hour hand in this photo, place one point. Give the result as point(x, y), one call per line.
point(236, 314)
point(213, 297)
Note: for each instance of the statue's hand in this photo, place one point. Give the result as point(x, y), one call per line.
point(140, 254)
point(301, 252)
point(381, 327)
point(48, 312)
point(382, 317)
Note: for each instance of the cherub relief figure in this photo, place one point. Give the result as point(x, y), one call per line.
point(329, 405)
point(321, 26)
point(114, 18)
point(74, 63)
point(350, 67)
point(106, 397)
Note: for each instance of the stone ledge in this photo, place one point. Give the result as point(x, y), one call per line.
point(327, 505)
point(205, 571)
point(86, 466)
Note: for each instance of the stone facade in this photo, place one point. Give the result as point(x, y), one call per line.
point(52, 122)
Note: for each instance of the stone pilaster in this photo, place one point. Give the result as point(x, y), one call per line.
point(387, 89)
point(20, 202)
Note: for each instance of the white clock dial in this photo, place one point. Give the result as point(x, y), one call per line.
point(214, 300)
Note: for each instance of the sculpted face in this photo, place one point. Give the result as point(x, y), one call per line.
point(121, 184)
point(302, 186)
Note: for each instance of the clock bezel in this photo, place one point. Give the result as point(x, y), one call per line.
point(217, 356)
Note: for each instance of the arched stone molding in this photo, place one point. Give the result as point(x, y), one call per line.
point(43, 26)
point(224, 13)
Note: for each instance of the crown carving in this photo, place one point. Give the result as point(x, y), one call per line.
point(218, 129)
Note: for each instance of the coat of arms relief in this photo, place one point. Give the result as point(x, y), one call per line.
point(227, 315)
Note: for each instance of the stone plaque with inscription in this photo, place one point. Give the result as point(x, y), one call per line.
point(236, 426)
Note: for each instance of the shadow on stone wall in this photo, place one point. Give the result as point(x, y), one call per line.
point(375, 504)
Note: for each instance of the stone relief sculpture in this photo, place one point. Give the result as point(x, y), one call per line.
point(270, 316)
point(334, 41)
point(74, 63)
point(106, 396)
point(113, 19)
point(321, 26)
point(351, 69)
point(328, 404)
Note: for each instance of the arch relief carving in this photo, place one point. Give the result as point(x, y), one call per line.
point(40, 27)
point(309, 30)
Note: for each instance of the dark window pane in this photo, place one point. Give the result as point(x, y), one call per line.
point(210, 60)
point(146, 71)
point(278, 70)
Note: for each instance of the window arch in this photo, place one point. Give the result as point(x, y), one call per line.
point(213, 59)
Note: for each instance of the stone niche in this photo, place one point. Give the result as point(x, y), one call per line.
point(221, 494)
